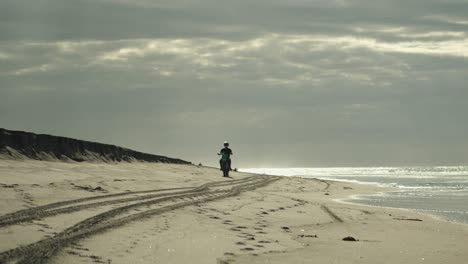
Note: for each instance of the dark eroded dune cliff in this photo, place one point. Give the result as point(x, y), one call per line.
point(25, 145)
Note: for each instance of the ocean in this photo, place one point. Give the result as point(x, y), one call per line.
point(440, 191)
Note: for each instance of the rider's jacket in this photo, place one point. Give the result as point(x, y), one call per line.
point(225, 153)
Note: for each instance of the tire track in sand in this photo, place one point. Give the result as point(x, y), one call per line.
point(43, 250)
point(61, 207)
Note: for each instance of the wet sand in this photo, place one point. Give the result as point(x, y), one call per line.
point(57, 212)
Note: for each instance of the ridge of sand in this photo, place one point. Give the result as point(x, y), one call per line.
point(57, 212)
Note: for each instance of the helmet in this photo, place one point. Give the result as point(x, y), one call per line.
point(226, 143)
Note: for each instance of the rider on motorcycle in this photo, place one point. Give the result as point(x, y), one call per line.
point(225, 153)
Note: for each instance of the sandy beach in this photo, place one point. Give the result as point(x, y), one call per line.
point(70, 212)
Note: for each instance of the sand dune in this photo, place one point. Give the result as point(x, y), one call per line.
point(24, 145)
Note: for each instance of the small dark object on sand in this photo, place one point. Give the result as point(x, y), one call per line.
point(90, 189)
point(408, 219)
point(306, 236)
point(349, 238)
point(285, 228)
point(327, 194)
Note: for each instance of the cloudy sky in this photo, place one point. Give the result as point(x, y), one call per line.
point(288, 83)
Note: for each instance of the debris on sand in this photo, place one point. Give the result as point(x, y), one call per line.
point(408, 219)
point(90, 189)
point(302, 236)
point(350, 238)
point(8, 185)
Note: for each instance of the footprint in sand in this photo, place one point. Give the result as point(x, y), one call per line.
point(71, 252)
point(227, 222)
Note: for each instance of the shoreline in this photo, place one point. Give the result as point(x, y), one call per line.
point(386, 189)
point(435, 217)
point(349, 200)
point(288, 220)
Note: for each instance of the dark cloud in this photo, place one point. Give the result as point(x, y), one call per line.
point(295, 83)
point(86, 19)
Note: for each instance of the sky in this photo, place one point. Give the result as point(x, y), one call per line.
point(292, 83)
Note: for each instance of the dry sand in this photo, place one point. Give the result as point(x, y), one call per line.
point(162, 213)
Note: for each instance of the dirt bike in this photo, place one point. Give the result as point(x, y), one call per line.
point(225, 163)
point(225, 168)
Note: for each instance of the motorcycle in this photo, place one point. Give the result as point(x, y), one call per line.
point(225, 167)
